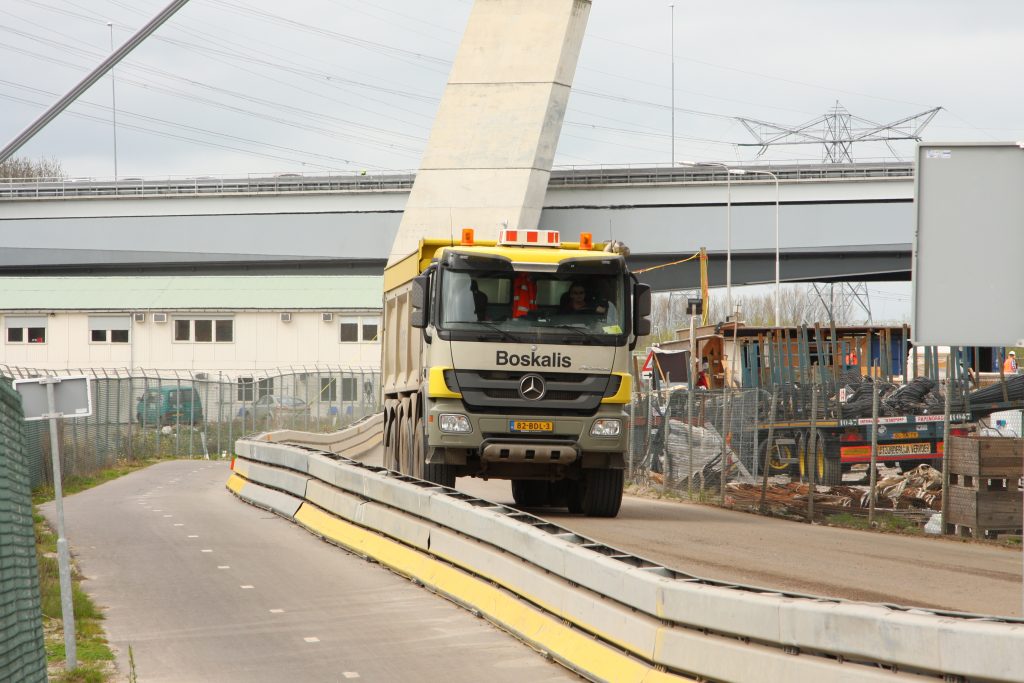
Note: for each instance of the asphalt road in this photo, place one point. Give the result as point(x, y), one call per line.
point(739, 547)
point(204, 587)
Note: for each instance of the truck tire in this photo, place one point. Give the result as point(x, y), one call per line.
point(574, 498)
point(809, 459)
point(440, 473)
point(529, 493)
point(602, 492)
point(418, 450)
point(833, 472)
point(402, 446)
point(390, 444)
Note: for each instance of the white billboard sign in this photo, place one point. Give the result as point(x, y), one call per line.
point(968, 244)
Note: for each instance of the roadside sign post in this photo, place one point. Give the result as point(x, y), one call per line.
point(958, 184)
point(50, 398)
point(873, 474)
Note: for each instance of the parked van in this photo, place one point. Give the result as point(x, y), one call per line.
point(169, 405)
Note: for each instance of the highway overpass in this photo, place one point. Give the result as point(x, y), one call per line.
point(836, 221)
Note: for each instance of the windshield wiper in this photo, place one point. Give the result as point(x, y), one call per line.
point(588, 335)
point(491, 326)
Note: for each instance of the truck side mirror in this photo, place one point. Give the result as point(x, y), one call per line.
point(418, 300)
point(641, 309)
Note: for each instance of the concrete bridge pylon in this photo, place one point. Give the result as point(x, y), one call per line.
point(489, 156)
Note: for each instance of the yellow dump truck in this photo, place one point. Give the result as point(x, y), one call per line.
point(510, 360)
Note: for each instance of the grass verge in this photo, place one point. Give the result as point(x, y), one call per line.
point(883, 522)
point(94, 656)
point(95, 659)
point(74, 484)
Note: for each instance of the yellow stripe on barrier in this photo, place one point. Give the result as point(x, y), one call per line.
point(543, 631)
point(235, 483)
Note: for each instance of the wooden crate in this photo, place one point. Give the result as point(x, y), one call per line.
point(985, 456)
point(985, 497)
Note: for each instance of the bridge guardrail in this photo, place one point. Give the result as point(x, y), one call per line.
point(689, 625)
point(50, 188)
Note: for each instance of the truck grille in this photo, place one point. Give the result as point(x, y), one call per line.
point(498, 392)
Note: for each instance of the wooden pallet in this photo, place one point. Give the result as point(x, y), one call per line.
point(985, 497)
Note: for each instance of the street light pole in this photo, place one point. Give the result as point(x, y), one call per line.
point(778, 287)
point(113, 98)
point(672, 12)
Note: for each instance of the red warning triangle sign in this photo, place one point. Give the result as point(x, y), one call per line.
point(649, 363)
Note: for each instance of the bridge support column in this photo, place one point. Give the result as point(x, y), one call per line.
point(490, 151)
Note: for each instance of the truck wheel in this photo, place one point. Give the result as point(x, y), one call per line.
point(402, 447)
point(809, 460)
point(833, 472)
point(418, 453)
point(602, 492)
point(440, 473)
point(574, 497)
point(390, 445)
point(529, 493)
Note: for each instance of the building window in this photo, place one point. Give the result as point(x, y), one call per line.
point(349, 329)
point(328, 389)
point(265, 387)
point(204, 330)
point(225, 330)
point(370, 326)
point(348, 388)
point(25, 329)
point(359, 329)
point(111, 329)
point(245, 388)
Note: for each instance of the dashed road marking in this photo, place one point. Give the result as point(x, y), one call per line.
point(178, 524)
point(277, 611)
point(206, 550)
point(224, 566)
point(350, 674)
point(168, 515)
point(246, 587)
point(193, 535)
point(312, 639)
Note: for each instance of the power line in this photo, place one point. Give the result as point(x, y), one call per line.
point(173, 136)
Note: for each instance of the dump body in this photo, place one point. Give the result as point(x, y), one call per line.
point(491, 369)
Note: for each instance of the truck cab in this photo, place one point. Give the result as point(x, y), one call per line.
point(525, 352)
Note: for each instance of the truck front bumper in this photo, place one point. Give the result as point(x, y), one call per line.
point(493, 436)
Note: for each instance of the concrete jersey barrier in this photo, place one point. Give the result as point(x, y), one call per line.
point(970, 646)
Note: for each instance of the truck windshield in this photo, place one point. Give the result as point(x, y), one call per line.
point(528, 306)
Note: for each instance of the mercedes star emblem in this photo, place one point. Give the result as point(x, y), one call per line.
point(532, 388)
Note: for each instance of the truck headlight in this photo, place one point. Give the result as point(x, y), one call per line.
point(453, 423)
point(606, 427)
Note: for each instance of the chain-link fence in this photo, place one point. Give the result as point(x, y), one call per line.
point(140, 414)
point(776, 444)
point(680, 438)
point(22, 655)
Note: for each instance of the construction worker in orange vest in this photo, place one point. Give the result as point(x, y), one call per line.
point(1010, 364)
point(524, 295)
point(851, 357)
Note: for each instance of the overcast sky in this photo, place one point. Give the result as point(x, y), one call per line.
point(254, 86)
